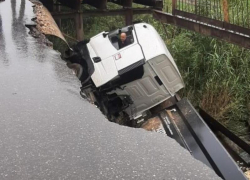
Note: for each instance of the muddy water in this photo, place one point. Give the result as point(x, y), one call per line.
point(48, 132)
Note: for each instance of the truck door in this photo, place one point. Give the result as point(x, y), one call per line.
point(130, 56)
point(114, 61)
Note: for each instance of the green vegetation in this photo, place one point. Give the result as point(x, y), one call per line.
point(217, 76)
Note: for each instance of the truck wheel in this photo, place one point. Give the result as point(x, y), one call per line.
point(77, 68)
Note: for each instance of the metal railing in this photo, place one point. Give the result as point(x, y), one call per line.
point(235, 12)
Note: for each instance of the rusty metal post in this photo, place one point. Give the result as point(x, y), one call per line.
point(129, 12)
point(101, 4)
point(174, 5)
point(225, 10)
point(129, 17)
point(78, 5)
point(74, 4)
point(195, 6)
point(59, 20)
point(79, 26)
point(127, 3)
point(48, 4)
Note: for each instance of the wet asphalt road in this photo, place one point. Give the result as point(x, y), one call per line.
point(48, 132)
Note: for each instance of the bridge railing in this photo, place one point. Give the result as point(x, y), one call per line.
point(233, 12)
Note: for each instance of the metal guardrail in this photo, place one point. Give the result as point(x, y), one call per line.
point(235, 12)
point(188, 128)
point(228, 20)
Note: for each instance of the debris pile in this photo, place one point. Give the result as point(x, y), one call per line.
point(154, 124)
point(44, 24)
point(247, 173)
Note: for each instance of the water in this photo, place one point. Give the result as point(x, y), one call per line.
point(48, 132)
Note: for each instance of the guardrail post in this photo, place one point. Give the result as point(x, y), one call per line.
point(79, 26)
point(48, 4)
point(127, 3)
point(129, 16)
point(225, 10)
point(195, 6)
point(173, 6)
point(78, 5)
point(57, 8)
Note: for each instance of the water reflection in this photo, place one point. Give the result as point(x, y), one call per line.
point(18, 28)
point(13, 8)
point(22, 10)
point(2, 43)
point(27, 56)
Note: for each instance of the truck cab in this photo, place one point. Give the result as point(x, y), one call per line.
point(112, 60)
point(131, 79)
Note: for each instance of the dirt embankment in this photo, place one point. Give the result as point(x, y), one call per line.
point(247, 173)
point(44, 24)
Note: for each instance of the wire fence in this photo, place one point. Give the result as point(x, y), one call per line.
point(235, 12)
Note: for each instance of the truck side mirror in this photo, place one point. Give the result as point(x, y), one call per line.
point(105, 35)
point(97, 59)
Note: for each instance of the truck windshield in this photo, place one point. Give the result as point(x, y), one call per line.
point(122, 37)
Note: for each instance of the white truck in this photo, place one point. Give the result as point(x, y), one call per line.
point(130, 80)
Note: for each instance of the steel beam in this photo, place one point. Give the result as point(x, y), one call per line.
point(79, 26)
point(205, 29)
point(127, 3)
point(198, 135)
point(97, 13)
point(78, 4)
point(74, 4)
point(124, 3)
point(213, 22)
point(58, 21)
point(48, 4)
point(129, 17)
point(157, 4)
point(99, 4)
point(219, 127)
